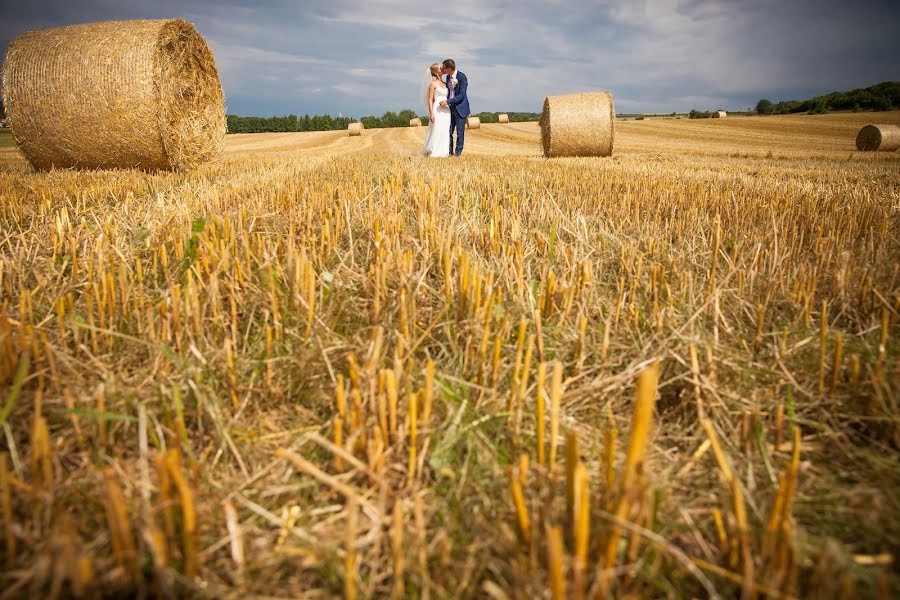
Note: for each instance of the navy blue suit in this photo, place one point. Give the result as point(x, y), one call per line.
point(459, 110)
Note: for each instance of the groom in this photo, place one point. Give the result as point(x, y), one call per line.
point(458, 102)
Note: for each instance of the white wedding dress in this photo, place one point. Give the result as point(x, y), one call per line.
point(437, 142)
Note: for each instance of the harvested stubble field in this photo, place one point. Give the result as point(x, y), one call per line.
point(325, 366)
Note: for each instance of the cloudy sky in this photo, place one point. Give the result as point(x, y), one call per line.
point(359, 57)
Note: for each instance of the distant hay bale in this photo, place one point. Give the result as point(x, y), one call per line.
point(355, 129)
point(116, 94)
point(417, 122)
point(719, 114)
point(878, 137)
point(473, 123)
point(578, 125)
point(503, 118)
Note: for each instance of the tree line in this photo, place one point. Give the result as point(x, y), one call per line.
point(878, 97)
point(238, 124)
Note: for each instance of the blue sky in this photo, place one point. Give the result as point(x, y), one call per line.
point(356, 57)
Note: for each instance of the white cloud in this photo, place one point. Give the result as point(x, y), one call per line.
point(364, 57)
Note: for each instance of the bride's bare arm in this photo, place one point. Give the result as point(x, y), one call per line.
point(431, 101)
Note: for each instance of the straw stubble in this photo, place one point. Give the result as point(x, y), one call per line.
point(142, 94)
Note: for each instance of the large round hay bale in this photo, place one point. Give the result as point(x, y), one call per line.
point(417, 122)
point(473, 123)
point(878, 137)
point(578, 125)
point(503, 118)
point(719, 114)
point(355, 129)
point(142, 94)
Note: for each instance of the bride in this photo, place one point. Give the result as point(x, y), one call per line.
point(437, 142)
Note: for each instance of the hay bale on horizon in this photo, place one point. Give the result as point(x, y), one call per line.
point(355, 129)
point(719, 114)
point(142, 94)
point(878, 137)
point(578, 125)
point(503, 118)
point(473, 123)
point(417, 122)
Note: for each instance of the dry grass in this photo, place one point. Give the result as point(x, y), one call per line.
point(329, 367)
point(142, 94)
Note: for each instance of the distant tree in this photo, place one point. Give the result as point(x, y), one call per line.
point(881, 103)
point(882, 96)
point(764, 107)
point(817, 106)
point(521, 117)
point(405, 116)
point(238, 124)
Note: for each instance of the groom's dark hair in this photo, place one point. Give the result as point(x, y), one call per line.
point(450, 64)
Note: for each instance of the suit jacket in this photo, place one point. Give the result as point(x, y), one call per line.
point(459, 103)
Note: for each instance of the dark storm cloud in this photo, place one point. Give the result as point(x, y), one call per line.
point(358, 57)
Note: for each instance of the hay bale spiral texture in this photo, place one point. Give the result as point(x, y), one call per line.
point(878, 137)
point(355, 129)
point(143, 94)
point(578, 125)
point(473, 123)
point(503, 118)
point(417, 122)
point(719, 114)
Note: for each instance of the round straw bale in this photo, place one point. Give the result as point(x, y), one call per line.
point(878, 137)
point(719, 114)
point(417, 122)
point(473, 123)
point(355, 129)
point(143, 94)
point(578, 125)
point(503, 118)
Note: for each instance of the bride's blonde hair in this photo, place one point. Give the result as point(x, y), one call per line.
point(436, 71)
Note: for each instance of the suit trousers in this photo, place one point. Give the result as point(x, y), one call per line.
point(459, 124)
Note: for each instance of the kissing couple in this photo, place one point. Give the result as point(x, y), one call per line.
point(448, 106)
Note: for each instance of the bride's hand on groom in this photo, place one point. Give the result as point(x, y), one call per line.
point(444, 104)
